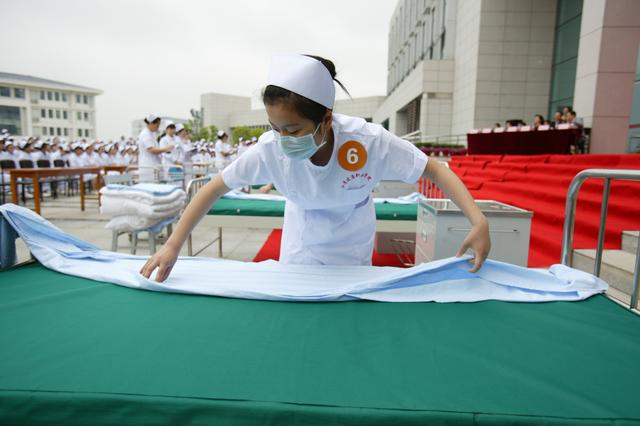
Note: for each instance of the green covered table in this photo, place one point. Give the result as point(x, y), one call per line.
point(260, 214)
point(75, 351)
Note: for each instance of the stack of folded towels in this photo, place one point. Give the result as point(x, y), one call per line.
point(141, 206)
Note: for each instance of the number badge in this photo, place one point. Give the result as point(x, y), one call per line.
point(352, 156)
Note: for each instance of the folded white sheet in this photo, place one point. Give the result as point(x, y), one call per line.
point(133, 223)
point(143, 196)
point(118, 206)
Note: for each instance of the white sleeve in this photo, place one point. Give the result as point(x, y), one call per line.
point(401, 159)
point(250, 169)
point(146, 142)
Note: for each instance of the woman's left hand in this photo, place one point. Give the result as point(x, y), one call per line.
point(478, 240)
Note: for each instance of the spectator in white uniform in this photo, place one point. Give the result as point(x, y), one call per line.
point(168, 139)
point(149, 150)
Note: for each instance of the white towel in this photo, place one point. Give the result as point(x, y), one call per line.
point(143, 197)
point(118, 206)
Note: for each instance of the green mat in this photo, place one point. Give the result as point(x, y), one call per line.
point(74, 351)
point(227, 206)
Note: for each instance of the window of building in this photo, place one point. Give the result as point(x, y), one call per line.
point(86, 132)
point(64, 97)
point(5, 91)
point(79, 132)
point(10, 119)
point(79, 115)
point(85, 99)
point(18, 93)
point(57, 96)
point(58, 114)
point(66, 131)
point(43, 113)
point(42, 95)
point(50, 113)
point(49, 96)
point(65, 115)
point(78, 99)
point(86, 116)
point(51, 131)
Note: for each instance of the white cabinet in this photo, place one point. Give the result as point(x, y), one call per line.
point(441, 228)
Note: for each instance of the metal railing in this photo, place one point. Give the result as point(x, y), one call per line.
point(449, 139)
point(569, 220)
point(193, 187)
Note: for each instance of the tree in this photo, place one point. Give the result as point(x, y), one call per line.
point(207, 133)
point(246, 133)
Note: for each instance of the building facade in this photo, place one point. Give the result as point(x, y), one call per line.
point(227, 112)
point(32, 106)
point(455, 65)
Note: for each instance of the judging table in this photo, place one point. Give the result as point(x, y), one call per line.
point(533, 142)
point(35, 174)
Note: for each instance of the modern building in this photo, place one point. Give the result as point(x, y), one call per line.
point(40, 107)
point(454, 65)
point(138, 125)
point(228, 111)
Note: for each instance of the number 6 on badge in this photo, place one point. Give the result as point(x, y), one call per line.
point(352, 156)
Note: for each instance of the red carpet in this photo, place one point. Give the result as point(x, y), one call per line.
point(540, 183)
point(271, 250)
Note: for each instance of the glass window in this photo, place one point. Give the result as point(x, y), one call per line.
point(85, 100)
point(86, 132)
point(79, 115)
point(49, 96)
point(86, 116)
point(79, 132)
point(78, 101)
point(58, 114)
point(51, 131)
point(64, 97)
point(44, 131)
point(50, 113)
point(57, 96)
point(10, 119)
point(66, 131)
point(65, 115)
point(5, 91)
point(42, 95)
point(18, 93)
point(43, 113)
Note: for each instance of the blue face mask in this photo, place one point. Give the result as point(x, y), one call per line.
point(300, 148)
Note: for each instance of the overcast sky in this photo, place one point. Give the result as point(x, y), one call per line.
point(160, 56)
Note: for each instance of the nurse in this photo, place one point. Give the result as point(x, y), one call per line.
point(150, 152)
point(326, 165)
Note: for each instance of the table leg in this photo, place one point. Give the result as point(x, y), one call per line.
point(36, 193)
point(220, 241)
point(81, 192)
point(14, 189)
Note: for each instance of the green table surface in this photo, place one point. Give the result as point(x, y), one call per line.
point(228, 206)
point(75, 351)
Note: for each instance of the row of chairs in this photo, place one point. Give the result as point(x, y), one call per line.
point(25, 184)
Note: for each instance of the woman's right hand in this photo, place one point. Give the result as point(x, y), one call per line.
point(164, 260)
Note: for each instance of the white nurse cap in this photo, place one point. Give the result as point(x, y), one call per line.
point(179, 127)
point(305, 76)
point(151, 118)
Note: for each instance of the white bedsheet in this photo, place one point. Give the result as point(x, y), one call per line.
point(446, 280)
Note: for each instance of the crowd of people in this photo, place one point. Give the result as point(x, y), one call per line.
point(565, 116)
point(174, 147)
